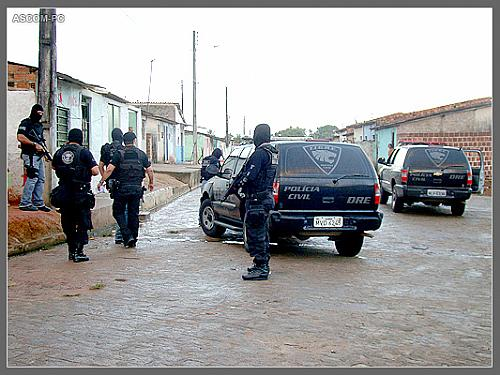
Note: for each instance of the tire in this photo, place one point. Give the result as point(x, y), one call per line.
point(349, 245)
point(397, 202)
point(384, 196)
point(457, 209)
point(207, 218)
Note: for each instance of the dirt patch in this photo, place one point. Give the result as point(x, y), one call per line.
point(27, 226)
point(163, 179)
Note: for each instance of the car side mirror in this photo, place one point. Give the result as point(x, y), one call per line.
point(381, 161)
point(227, 173)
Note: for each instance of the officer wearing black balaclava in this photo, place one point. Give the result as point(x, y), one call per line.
point(29, 132)
point(210, 166)
point(75, 166)
point(256, 180)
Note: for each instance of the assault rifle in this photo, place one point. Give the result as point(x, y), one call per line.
point(235, 185)
point(40, 141)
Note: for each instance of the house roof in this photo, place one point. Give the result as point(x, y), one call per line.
point(96, 88)
point(399, 118)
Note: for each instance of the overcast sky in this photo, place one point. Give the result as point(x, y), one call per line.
point(287, 67)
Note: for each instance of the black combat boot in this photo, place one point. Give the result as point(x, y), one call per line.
point(257, 272)
point(71, 251)
point(80, 256)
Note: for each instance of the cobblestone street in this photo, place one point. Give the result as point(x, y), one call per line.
point(419, 294)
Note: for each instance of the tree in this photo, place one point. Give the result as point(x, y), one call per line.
point(325, 132)
point(291, 132)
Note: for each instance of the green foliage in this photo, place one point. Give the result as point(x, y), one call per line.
point(325, 132)
point(291, 132)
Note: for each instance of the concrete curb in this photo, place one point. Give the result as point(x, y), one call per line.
point(102, 218)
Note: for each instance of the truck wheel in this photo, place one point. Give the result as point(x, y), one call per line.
point(397, 202)
point(349, 245)
point(207, 220)
point(384, 196)
point(457, 209)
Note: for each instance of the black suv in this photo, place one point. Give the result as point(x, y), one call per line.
point(432, 174)
point(321, 189)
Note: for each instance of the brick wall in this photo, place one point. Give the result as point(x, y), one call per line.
point(467, 140)
point(21, 77)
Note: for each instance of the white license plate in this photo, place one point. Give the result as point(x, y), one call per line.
point(328, 221)
point(436, 193)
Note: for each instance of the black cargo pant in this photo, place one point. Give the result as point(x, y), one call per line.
point(76, 220)
point(256, 226)
point(128, 198)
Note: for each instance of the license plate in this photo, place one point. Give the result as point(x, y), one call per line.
point(436, 193)
point(328, 221)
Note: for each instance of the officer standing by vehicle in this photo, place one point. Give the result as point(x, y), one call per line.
point(29, 133)
point(256, 180)
point(107, 152)
point(131, 164)
point(210, 166)
point(75, 166)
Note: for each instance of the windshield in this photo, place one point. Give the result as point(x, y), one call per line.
point(436, 157)
point(324, 160)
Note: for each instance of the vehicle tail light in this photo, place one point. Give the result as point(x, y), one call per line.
point(376, 188)
point(276, 191)
point(469, 178)
point(404, 176)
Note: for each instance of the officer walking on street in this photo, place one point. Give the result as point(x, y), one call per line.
point(256, 180)
point(75, 166)
point(131, 164)
point(30, 131)
point(107, 152)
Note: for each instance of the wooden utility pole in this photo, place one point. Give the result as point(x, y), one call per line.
point(227, 123)
point(195, 129)
point(182, 96)
point(47, 85)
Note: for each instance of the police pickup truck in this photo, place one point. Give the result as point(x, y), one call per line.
point(432, 174)
point(321, 189)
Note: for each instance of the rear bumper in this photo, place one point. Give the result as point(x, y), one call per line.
point(420, 193)
point(302, 223)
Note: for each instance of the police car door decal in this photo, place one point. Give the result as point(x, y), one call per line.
point(437, 156)
point(326, 157)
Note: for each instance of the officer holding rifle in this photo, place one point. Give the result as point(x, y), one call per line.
point(33, 153)
point(255, 181)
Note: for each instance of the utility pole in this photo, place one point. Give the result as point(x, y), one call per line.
point(150, 74)
point(182, 96)
point(227, 123)
point(195, 129)
point(243, 125)
point(47, 84)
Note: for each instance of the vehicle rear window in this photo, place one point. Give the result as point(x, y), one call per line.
point(323, 160)
point(435, 157)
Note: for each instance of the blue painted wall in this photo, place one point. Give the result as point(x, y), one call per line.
point(384, 137)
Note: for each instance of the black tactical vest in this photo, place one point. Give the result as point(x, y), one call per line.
point(69, 167)
point(266, 175)
point(130, 171)
point(113, 147)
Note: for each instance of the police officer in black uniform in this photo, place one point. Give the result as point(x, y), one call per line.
point(210, 165)
point(256, 180)
point(75, 166)
point(131, 164)
point(29, 132)
point(107, 152)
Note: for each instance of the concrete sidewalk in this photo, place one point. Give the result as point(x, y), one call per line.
point(30, 231)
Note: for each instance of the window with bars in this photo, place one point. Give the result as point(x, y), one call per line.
point(132, 121)
point(62, 126)
point(113, 118)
